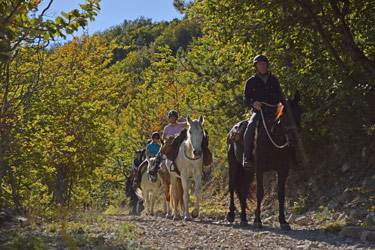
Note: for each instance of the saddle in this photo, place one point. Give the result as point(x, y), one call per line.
point(237, 132)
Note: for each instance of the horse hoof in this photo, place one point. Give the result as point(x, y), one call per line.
point(169, 216)
point(186, 218)
point(194, 214)
point(258, 225)
point(175, 218)
point(285, 227)
point(244, 223)
point(230, 217)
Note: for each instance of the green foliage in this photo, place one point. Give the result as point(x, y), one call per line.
point(324, 214)
point(21, 24)
point(18, 242)
point(73, 116)
point(300, 206)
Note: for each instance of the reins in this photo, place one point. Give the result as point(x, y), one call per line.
point(265, 127)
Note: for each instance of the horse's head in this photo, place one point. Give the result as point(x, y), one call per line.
point(195, 135)
point(293, 121)
point(128, 185)
point(294, 116)
point(150, 165)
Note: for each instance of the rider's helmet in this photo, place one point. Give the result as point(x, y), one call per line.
point(155, 135)
point(172, 113)
point(260, 58)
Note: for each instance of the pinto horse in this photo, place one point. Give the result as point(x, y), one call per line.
point(149, 187)
point(273, 152)
point(189, 163)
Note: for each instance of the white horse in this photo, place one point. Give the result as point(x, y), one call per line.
point(150, 186)
point(189, 162)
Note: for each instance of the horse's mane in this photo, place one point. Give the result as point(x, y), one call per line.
point(279, 112)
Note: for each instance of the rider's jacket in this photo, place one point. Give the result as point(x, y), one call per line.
point(257, 90)
point(135, 164)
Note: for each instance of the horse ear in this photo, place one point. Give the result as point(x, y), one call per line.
point(297, 97)
point(201, 119)
point(189, 119)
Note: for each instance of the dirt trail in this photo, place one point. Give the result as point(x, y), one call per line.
point(208, 233)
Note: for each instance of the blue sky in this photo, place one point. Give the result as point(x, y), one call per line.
point(114, 12)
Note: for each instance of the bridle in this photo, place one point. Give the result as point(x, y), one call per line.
point(286, 144)
point(191, 158)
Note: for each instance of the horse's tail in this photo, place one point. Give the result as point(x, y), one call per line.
point(180, 193)
point(251, 195)
point(242, 181)
point(138, 192)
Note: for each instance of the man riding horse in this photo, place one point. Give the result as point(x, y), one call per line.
point(263, 87)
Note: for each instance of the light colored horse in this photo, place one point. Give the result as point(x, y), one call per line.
point(189, 162)
point(150, 186)
point(165, 178)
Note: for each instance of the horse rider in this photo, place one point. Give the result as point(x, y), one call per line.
point(261, 87)
point(174, 127)
point(175, 133)
point(172, 130)
point(137, 160)
point(152, 149)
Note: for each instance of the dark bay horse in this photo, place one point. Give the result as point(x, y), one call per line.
point(273, 152)
point(135, 204)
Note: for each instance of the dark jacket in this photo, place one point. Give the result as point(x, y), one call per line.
point(257, 90)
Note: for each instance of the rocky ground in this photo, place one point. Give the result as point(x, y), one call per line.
point(216, 233)
point(122, 231)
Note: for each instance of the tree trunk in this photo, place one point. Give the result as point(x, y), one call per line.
point(3, 168)
point(348, 39)
point(307, 6)
point(16, 199)
point(60, 188)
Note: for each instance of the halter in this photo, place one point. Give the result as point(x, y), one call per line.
point(190, 158)
point(265, 127)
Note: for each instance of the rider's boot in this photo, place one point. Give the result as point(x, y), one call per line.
point(248, 159)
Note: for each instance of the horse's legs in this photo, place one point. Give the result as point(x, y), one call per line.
point(175, 197)
point(260, 194)
point(167, 201)
point(232, 181)
point(282, 176)
point(246, 177)
point(185, 188)
point(198, 189)
point(146, 200)
point(154, 193)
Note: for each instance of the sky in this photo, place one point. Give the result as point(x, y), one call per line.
point(114, 12)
